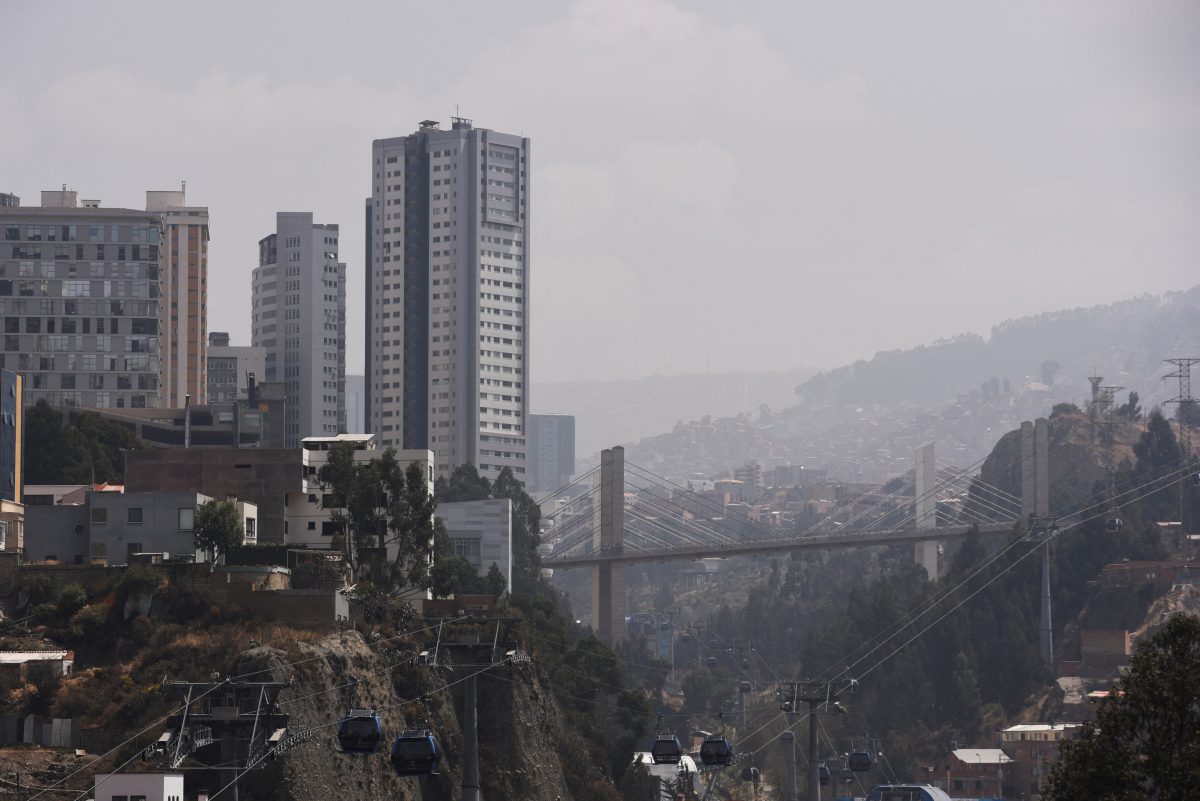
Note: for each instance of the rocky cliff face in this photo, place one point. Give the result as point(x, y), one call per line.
point(524, 743)
point(1077, 461)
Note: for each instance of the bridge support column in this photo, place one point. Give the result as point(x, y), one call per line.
point(608, 537)
point(926, 508)
point(1035, 468)
point(1035, 508)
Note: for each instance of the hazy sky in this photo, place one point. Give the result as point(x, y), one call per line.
point(715, 184)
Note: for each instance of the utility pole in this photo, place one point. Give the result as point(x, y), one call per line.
point(816, 694)
point(1186, 403)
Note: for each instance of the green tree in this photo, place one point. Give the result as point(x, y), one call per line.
point(1132, 409)
point(386, 513)
point(62, 452)
point(1145, 742)
point(638, 784)
point(494, 581)
point(217, 527)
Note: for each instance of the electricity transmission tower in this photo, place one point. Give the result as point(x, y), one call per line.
point(1187, 406)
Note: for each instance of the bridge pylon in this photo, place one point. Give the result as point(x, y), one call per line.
point(608, 537)
point(926, 551)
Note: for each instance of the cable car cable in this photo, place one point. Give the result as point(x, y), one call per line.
point(914, 615)
point(1050, 537)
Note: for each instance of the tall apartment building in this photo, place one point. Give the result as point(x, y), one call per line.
point(183, 313)
point(447, 326)
point(298, 316)
point(551, 451)
point(79, 296)
point(230, 368)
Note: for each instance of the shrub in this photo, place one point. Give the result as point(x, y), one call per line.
point(39, 588)
point(139, 580)
point(71, 600)
point(44, 613)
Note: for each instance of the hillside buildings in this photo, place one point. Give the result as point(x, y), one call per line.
point(183, 311)
point(551, 451)
point(447, 331)
point(298, 309)
point(230, 368)
point(80, 301)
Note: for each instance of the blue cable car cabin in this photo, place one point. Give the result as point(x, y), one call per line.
point(360, 732)
point(716, 750)
point(415, 753)
point(666, 750)
point(859, 762)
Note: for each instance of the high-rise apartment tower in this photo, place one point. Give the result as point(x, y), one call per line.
point(183, 313)
point(80, 300)
point(447, 324)
point(298, 315)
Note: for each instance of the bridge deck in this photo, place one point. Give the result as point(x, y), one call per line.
point(853, 539)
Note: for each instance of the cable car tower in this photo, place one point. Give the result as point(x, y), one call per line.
point(239, 717)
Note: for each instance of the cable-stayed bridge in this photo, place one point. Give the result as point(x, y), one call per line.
point(628, 514)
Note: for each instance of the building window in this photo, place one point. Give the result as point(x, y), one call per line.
point(135, 514)
point(99, 515)
point(468, 549)
point(250, 535)
point(312, 525)
point(187, 518)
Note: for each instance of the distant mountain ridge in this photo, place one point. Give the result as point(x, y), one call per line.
point(611, 413)
point(863, 421)
point(1124, 341)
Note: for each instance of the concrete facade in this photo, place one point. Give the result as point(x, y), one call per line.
point(263, 476)
point(143, 786)
point(481, 533)
point(230, 368)
point(80, 302)
point(109, 527)
point(551, 451)
point(298, 316)
point(447, 327)
point(183, 313)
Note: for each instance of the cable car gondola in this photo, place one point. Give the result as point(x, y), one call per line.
point(1114, 525)
point(750, 774)
point(360, 731)
point(823, 773)
point(716, 750)
point(666, 750)
point(415, 753)
point(859, 761)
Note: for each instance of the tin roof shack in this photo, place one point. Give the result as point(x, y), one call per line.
point(1034, 749)
point(36, 667)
